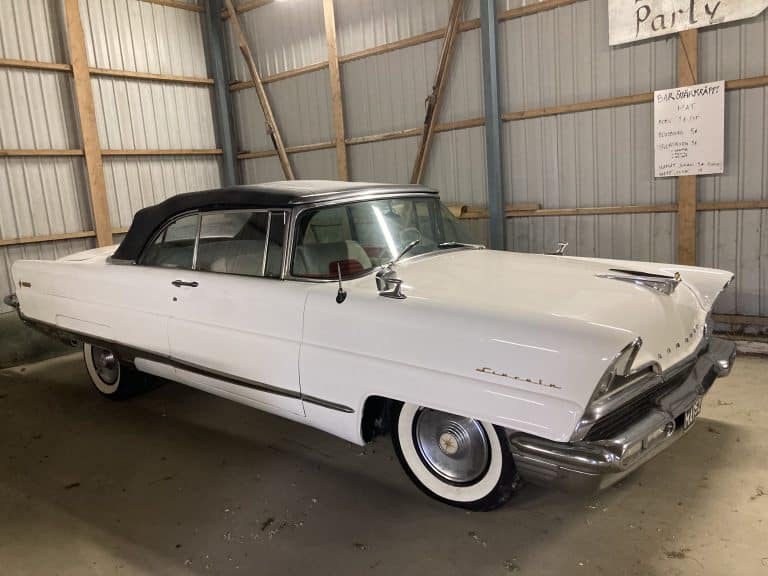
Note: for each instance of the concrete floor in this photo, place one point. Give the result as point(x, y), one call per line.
point(179, 482)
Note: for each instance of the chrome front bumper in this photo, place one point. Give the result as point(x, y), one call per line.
point(589, 466)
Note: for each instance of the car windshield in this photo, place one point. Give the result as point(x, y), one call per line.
point(358, 237)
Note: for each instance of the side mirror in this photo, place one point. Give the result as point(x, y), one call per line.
point(561, 248)
point(388, 285)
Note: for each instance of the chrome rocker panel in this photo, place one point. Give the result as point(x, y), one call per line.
point(589, 466)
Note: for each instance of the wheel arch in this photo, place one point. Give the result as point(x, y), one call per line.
point(375, 417)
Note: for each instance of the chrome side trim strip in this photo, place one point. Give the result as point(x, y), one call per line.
point(130, 353)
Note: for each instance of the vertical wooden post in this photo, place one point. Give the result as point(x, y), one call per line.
point(87, 115)
point(687, 74)
point(336, 95)
point(435, 98)
point(269, 117)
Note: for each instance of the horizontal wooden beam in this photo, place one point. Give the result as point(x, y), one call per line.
point(534, 210)
point(35, 65)
point(124, 152)
point(740, 320)
point(735, 205)
point(289, 150)
point(177, 4)
point(642, 98)
point(171, 152)
point(59, 67)
point(394, 135)
point(245, 7)
point(479, 213)
point(411, 132)
point(47, 238)
point(745, 83)
point(56, 237)
point(151, 76)
point(33, 153)
point(460, 124)
point(595, 211)
point(534, 8)
point(579, 107)
point(392, 46)
point(237, 86)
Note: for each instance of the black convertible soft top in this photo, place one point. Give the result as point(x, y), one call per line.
point(271, 195)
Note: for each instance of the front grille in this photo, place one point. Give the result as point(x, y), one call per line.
point(635, 410)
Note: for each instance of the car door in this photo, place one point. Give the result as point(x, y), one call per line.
point(235, 327)
point(143, 295)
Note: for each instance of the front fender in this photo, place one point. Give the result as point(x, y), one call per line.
point(533, 373)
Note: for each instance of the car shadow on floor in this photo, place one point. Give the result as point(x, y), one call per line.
point(178, 480)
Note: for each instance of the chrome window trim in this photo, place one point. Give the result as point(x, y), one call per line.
point(266, 246)
point(297, 212)
point(163, 228)
point(197, 241)
point(200, 213)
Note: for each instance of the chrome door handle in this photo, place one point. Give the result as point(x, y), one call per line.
point(179, 283)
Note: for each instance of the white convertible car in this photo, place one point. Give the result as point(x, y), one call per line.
point(360, 309)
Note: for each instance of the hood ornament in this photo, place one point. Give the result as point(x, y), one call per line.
point(659, 282)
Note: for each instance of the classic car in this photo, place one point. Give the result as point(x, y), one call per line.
point(362, 309)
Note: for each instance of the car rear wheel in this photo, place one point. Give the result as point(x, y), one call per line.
point(110, 377)
point(457, 460)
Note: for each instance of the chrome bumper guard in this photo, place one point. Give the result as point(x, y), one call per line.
point(589, 466)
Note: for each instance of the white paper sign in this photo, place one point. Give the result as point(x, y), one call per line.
point(631, 20)
point(689, 130)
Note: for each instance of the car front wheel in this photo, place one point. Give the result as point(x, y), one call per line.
point(457, 460)
point(111, 378)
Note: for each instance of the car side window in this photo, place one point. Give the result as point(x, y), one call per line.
point(174, 247)
point(233, 243)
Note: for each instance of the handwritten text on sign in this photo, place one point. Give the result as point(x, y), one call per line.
point(689, 130)
point(639, 19)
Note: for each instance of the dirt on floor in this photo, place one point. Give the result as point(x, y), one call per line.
point(180, 482)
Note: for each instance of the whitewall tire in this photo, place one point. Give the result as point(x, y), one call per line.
point(109, 376)
point(457, 460)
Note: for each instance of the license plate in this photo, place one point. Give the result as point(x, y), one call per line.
point(691, 414)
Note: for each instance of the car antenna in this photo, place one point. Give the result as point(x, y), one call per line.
point(341, 295)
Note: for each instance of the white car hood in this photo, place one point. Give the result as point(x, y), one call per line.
point(570, 290)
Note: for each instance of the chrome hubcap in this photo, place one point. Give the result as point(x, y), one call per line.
point(454, 448)
point(106, 364)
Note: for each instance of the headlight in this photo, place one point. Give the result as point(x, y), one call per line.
point(619, 369)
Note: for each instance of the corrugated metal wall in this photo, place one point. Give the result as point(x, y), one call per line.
point(381, 93)
point(738, 240)
point(49, 195)
point(139, 114)
point(586, 159)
